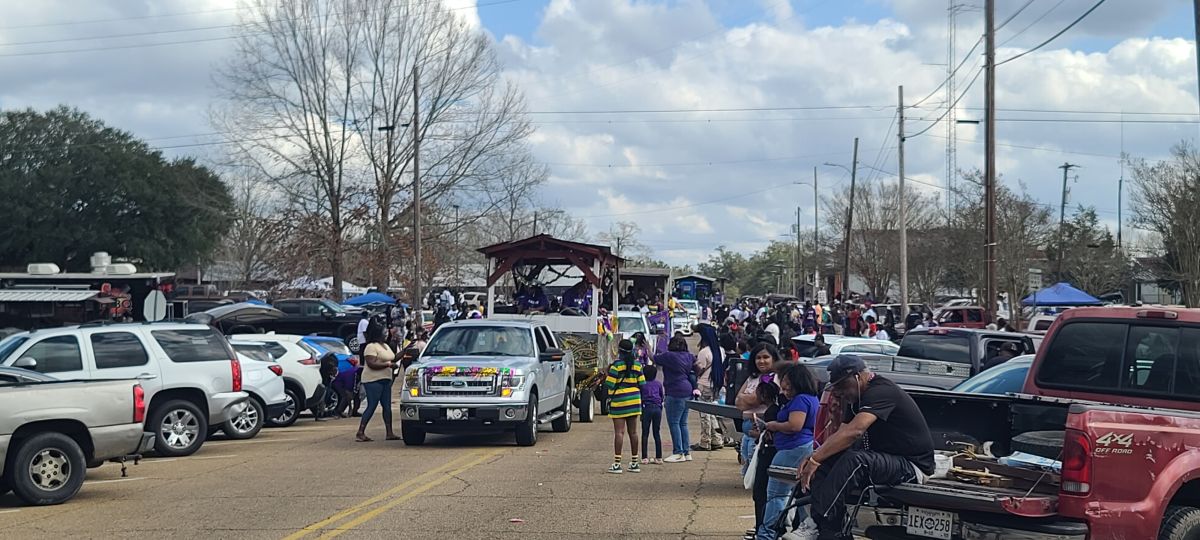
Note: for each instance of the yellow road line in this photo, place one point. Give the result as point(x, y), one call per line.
point(363, 505)
point(368, 516)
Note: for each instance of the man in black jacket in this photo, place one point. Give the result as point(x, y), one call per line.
point(883, 441)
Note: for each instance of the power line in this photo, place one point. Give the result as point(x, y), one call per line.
point(1055, 36)
point(952, 73)
point(1030, 25)
point(951, 107)
point(1014, 15)
point(686, 206)
point(119, 19)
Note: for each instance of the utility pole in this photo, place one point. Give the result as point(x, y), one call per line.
point(1062, 217)
point(1196, 31)
point(989, 159)
point(849, 226)
point(816, 238)
point(418, 294)
point(457, 249)
point(903, 210)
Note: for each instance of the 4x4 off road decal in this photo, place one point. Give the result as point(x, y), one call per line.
point(1114, 443)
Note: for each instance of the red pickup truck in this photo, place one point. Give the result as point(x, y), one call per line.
point(1114, 393)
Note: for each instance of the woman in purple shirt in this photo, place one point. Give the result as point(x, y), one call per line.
point(678, 368)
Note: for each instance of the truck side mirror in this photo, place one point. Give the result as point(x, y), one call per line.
point(26, 363)
point(551, 355)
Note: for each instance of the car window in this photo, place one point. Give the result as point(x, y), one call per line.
point(1084, 355)
point(630, 325)
point(334, 346)
point(480, 341)
point(11, 344)
point(56, 354)
point(117, 350)
point(1150, 358)
point(974, 315)
point(951, 316)
point(539, 335)
point(289, 308)
point(888, 348)
point(254, 352)
point(277, 350)
point(942, 347)
point(193, 345)
point(1002, 379)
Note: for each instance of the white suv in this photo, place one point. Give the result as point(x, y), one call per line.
point(191, 376)
point(301, 373)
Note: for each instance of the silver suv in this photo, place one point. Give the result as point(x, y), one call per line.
point(191, 376)
point(488, 376)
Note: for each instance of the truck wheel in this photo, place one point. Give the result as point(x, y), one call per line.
point(249, 423)
point(563, 423)
point(587, 406)
point(527, 430)
point(179, 428)
point(48, 468)
point(412, 433)
point(290, 412)
point(1047, 444)
point(602, 397)
point(1180, 523)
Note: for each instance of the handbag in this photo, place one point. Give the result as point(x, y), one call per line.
point(752, 468)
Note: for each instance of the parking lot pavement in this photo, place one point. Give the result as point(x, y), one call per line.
point(313, 481)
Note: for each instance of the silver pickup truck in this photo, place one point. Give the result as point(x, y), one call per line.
point(479, 376)
point(52, 431)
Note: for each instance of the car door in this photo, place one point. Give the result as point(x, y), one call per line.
point(61, 356)
point(548, 372)
point(121, 354)
point(560, 369)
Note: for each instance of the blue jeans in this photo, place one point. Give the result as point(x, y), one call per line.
point(652, 425)
point(778, 491)
point(747, 448)
point(378, 393)
point(677, 414)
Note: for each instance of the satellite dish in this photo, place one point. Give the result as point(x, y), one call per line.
point(154, 308)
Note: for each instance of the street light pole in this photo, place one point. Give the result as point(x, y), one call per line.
point(903, 213)
point(849, 225)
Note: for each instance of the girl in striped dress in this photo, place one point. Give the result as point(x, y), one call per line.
point(624, 384)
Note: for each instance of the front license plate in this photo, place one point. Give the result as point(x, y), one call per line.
point(456, 414)
point(929, 523)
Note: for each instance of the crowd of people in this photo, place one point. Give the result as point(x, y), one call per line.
point(875, 435)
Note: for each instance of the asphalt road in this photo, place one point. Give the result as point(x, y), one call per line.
point(313, 480)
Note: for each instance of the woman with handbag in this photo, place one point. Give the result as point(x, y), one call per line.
point(679, 384)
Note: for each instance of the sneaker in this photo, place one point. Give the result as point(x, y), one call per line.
point(635, 467)
point(687, 457)
point(615, 469)
point(658, 461)
point(675, 458)
point(645, 461)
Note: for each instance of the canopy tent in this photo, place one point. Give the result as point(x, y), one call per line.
point(323, 284)
point(370, 298)
point(1060, 294)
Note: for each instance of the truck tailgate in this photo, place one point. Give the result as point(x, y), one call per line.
point(956, 496)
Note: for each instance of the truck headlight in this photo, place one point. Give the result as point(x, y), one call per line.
point(510, 383)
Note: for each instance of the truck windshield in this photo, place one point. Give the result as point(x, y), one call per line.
point(631, 325)
point(481, 341)
point(333, 306)
point(11, 344)
point(942, 347)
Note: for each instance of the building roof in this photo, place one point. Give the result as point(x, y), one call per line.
point(698, 277)
point(545, 250)
point(45, 295)
point(645, 271)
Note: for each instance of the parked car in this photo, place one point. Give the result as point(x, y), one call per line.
point(263, 380)
point(314, 316)
point(191, 377)
point(632, 322)
point(488, 376)
point(301, 364)
point(1112, 397)
point(472, 298)
point(1006, 378)
point(1040, 323)
point(962, 317)
point(806, 346)
point(52, 431)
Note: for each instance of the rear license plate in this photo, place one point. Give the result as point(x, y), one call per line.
point(929, 523)
point(457, 414)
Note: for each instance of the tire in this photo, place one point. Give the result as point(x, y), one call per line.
point(587, 406)
point(1180, 523)
point(249, 423)
point(527, 430)
point(563, 423)
point(602, 397)
point(412, 433)
point(179, 428)
point(332, 401)
point(46, 469)
point(291, 412)
point(1047, 444)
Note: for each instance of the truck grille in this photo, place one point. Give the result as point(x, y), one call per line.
point(460, 386)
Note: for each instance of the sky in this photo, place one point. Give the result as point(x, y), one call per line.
point(696, 118)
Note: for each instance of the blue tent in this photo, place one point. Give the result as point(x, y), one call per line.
point(370, 298)
point(1061, 294)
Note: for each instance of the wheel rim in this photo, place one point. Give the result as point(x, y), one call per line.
point(50, 469)
point(332, 401)
point(180, 428)
point(247, 421)
point(533, 419)
point(289, 410)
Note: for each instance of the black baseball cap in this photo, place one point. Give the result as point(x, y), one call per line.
point(844, 366)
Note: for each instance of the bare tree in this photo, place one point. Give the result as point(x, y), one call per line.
point(624, 240)
point(288, 89)
point(1166, 200)
point(255, 232)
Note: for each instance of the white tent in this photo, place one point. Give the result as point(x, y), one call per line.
point(324, 284)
